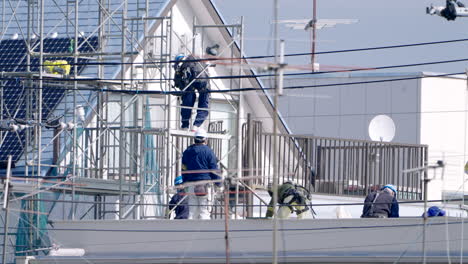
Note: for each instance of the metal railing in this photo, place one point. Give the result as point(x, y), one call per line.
point(334, 166)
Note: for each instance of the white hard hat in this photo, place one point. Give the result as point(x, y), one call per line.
point(201, 133)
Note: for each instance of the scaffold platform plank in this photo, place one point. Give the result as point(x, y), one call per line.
point(187, 133)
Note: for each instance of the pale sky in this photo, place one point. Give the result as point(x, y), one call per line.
point(381, 23)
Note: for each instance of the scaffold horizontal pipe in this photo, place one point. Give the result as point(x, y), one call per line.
point(84, 55)
point(147, 18)
point(217, 26)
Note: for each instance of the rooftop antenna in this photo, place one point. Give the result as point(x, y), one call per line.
point(382, 128)
point(313, 25)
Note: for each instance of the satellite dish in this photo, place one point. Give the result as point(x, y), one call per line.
point(382, 128)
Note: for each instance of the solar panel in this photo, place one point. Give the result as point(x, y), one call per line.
point(13, 58)
point(13, 53)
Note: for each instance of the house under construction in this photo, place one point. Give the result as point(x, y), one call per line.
point(101, 140)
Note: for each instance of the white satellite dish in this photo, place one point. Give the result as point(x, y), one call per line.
point(382, 128)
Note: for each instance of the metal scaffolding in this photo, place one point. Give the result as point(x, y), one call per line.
point(96, 140)
point(111, 141)
point(109, 146)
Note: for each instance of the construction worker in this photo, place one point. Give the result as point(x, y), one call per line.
point(57, 67)
point(292, 198)
point(381, 204)
point(190, 76)
point(199, 157)
point(179, 201)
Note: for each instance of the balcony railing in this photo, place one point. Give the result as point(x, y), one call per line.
point(331, 165)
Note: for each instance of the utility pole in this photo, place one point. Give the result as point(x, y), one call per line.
point(314, 34)
point(279, 68)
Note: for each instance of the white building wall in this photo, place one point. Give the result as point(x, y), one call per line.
point(443, 127)
point(345, 111)
point(254, 102)
point(428, 111)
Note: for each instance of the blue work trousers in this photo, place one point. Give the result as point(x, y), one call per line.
point(188, 100)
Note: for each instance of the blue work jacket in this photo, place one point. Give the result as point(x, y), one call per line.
point(199, 157)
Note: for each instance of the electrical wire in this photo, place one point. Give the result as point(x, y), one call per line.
point(258, 75)
point(368, 48)
point(273, 56)
point(135, 92)
point(296, 117)
point(315, 205)
point(179, 230)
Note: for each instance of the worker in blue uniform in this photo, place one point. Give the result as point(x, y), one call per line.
point(179, 201)
point(381, 204)
point(190, 76)
point(199, 163)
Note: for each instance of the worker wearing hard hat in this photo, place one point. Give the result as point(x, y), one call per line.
point(179, 202)
point(190, 76)
point(381, 204)
point(199, 157)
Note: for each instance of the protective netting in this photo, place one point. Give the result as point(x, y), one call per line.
point(32, 234)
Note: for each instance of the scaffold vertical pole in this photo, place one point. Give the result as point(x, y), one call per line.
point(239, 116)
point(122, 162)
point(75, 89)
point(38, 135)
point(6, 202)
point(275, 143)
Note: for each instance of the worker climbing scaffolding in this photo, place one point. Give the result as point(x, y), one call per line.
point(190, 76)
point(292, 198)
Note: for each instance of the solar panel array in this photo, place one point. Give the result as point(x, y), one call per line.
point(59, 20)
point(16, 93)
point(59, 16)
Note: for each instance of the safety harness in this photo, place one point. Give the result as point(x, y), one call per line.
point(370, 212)
point(298, 198)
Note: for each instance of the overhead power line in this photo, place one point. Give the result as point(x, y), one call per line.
point(382, 47)
point(243, 89)
point(263, 56)
point(270, 75)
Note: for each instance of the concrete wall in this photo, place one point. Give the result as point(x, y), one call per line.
point(428, 111)
point(443, 128)
point(345, 111)
point(252, 239)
